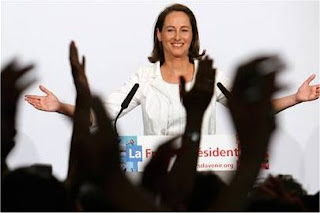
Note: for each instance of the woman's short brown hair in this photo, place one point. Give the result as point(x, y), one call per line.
point(157, 52)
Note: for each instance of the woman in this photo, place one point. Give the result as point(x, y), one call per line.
point(175, 54)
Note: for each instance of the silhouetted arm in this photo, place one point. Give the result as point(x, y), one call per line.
point(12, 87)
point(181, 178)
point(253, 117)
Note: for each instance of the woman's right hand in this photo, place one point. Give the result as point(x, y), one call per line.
point(49, 103)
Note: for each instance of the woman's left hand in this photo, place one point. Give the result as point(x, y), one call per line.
point(308, 92)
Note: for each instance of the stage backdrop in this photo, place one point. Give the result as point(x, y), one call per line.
point(116, 38)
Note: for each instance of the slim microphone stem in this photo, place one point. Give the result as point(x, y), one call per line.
point(115, 121)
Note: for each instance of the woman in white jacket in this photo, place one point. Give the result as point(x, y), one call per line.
point(175, 54)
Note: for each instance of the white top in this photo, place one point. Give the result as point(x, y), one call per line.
point(162, 110)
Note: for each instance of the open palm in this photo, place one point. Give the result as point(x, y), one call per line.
point(308, 92)
point(49, 103)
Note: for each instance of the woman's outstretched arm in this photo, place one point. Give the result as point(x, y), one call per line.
point(306, 92)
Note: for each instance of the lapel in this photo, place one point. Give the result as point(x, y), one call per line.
point(157, 82)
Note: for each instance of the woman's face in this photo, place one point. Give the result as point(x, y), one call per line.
point(176, 35)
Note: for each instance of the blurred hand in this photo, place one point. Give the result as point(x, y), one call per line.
point(155, 173)
point(180, 180)
point(250, 102)
point(253, 117)
point(77, 68)
point(199, 97)
point(93, 154)
point(12, 87)
point(80, 135)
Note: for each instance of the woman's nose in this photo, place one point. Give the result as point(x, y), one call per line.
point(177, 36)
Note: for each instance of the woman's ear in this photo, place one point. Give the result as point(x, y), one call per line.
point(159, 35)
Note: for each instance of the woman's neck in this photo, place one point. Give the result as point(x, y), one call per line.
point(171, 70)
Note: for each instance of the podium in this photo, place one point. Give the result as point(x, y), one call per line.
point(216, 152)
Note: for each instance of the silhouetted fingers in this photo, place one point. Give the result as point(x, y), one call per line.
point(256, 79)
point(9, 66)
point(12, 72)
point(78, 69)
point(73, 51)
point(204, 69)
point(205, 75)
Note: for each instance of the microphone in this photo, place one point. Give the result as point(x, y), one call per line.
point(126, 103)
point(129, 97)
point(224, 91)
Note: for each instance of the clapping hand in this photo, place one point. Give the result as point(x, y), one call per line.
point(199, 97)
point(95, 155)
point(78, 69)
point(181, 177)
point(254, 120)
point(89, 150)
point(12, 86)
point(250, 102)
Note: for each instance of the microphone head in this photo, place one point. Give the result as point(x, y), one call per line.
point(136, 86)
point(226, 93)
point(129, 97)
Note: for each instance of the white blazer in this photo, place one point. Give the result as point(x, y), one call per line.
point(162, 111)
